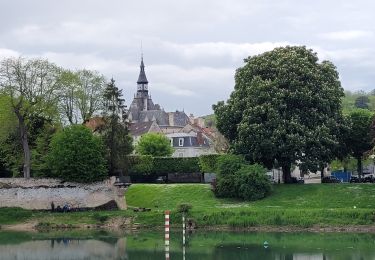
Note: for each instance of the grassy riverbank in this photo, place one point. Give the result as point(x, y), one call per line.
point(289, 205)
point(298, 206)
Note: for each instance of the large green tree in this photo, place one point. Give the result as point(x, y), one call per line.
point(115, 129)
point(284, 108)
point(80, 95)
point(360, 137)
point(31, 86)
point(154, 144)
point(77, 155)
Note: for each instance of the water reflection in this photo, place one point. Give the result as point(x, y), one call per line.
point(201, 245)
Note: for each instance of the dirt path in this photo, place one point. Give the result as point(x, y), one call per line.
point(27, 226)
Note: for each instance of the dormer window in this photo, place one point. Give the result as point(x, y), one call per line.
point(180, 141)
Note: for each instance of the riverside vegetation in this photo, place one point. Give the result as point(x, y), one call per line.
point(300, 206)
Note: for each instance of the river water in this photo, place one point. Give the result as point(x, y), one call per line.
point(199, 245)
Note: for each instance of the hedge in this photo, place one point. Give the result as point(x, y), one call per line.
point(142, 164)
point(165, 165)
point(161, 166)
point(208, 163)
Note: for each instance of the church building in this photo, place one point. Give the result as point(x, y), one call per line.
point(187, 138)
point(143, 109)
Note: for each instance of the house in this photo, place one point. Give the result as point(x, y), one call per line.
point(139, 129)
point(189, 144)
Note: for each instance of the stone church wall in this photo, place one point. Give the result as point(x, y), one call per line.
point(39, 193)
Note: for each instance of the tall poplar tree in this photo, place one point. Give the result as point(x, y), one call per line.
point(115, 130)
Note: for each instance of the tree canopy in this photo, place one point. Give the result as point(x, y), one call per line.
point(155, 145)
point(360, 137)
point(77, 155)
point(115, 129)
point(31, 86)
point(284, 108)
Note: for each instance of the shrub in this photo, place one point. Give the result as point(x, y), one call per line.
point(252, 183)
point(184, 207)
point(147, 165)
point(249, 182)
point(77, 155)
point(225, 187)
point(142, 164)
point(229, 164)
point(165, 165)
point(154, 144)
point(208, 163)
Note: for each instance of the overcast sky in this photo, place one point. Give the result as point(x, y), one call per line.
point(191, 47)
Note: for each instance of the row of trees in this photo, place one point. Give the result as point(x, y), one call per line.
point(286, 108)
point(38, 99)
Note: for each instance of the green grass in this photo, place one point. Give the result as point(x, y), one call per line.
point(49, 220)
point(289, 205)
point(168, 196)
point(312, 196)
point(13, 215)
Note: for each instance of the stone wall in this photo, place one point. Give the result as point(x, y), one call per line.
point(39, 193)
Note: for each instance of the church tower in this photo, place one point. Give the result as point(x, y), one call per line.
point(142, 82)
point(142, 87)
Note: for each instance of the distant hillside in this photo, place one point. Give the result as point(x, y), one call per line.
point(209, 120)
point(359, 99)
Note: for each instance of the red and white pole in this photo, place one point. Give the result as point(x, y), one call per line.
point(167, 212)
point(183, 236)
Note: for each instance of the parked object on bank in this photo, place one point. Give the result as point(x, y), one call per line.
point(354, 179)
point(299, 180)
point(330, 179)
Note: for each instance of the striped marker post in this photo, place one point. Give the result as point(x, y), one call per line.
point(167, 212)
point(183, 236)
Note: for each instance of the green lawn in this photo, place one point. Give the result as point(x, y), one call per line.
point(289, 205)
point(308, 196)
point(167, 196)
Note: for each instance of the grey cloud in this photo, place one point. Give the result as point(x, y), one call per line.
point(191, 47)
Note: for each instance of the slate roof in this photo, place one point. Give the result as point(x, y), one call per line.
point(179, 118)
point(137, 129)
point(159, 116)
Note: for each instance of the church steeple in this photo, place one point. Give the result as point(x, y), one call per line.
point(142, 79)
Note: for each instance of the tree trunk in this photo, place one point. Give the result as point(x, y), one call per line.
point(359, 167)
point(322, 173)
point(287, 174)
point(25, 146)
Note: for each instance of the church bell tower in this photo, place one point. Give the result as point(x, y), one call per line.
point(142, 86)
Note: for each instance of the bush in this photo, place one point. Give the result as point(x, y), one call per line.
point(147, 165)
point(77, 155)
point(165, 165)
point(154, 144)
point(252, 183)
point(208, 163)
point(225, 187)
point(229, 164)
point(184, 207)
point(142, 164)
point(249, 182)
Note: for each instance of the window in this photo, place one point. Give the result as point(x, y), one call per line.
point(180, 141)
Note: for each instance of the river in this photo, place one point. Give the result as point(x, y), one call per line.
point(76, 244)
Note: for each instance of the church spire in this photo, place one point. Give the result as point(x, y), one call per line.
point(142, 79)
